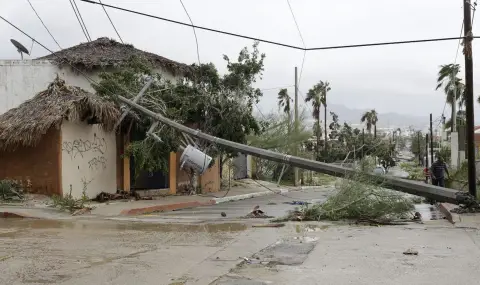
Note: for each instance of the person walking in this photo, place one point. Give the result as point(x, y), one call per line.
point(437, 172)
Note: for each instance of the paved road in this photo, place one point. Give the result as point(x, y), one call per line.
point(273, 205)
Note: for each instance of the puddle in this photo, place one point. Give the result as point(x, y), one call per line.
point(12, 228)
point(310, 228)
point(429, 212)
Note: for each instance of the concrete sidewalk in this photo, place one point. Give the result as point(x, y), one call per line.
point(242, 189)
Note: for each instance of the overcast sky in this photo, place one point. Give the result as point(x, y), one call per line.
point(398, 78)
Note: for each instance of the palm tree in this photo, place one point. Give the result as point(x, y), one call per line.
point(371, 118)
point(284, 102)
point(325, 89)
point(314, 97)
point(447, 77)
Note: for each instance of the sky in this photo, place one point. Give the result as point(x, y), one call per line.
point(399, 78)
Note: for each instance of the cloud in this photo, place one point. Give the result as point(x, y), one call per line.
point(394, 78)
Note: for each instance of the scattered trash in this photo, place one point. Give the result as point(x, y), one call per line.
point(82, 211)
point(104, 197)
point(302, 203)
point(273, 225)
point(417, 216)
point(257, 213)
point(11, 190)
point(223, 214)
point(410, 252)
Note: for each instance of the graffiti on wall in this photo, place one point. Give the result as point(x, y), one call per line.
point(98, 162)
point(80, 147)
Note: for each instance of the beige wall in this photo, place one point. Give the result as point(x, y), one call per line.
point(89, 157)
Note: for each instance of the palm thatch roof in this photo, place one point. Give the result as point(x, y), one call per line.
point(26, 124)
point(105, 52)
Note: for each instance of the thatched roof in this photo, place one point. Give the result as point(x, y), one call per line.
point(26, 124)
point(105, 52)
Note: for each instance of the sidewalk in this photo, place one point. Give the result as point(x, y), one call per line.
point(240, 189)
point(467, 220)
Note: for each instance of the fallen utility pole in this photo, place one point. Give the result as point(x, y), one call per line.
point(407, 186)
point(467, 50)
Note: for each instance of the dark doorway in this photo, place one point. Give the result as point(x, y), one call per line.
point(145, 180)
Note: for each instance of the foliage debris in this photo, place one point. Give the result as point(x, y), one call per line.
point(357, 198)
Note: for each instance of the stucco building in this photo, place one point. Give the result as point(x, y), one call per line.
point(80, 66)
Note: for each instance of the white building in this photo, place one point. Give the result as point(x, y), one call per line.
point(21, 80)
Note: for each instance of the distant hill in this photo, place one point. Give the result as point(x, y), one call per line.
point(352, 116)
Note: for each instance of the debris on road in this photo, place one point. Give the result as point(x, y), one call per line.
point(82, 211)
point(223, 214)
point(257, 213)
point(104, 197)
point(410, 252)
point(301, 203)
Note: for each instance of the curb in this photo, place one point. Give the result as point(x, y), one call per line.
point(194, 204)
point(247, 196)
point(446, 208)
point(165, 208)
point(7, 215)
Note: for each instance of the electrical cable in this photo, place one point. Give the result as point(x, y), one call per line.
point(83, 22)
point(273, 42)
point(79, 22)
point(45, 26)
point(303, 41)
point(194, 32)
point(111, 22)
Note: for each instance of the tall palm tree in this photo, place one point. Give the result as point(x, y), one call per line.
point(447, 78)
point(314, 97)
point(325, 89)
point(371, 118)
point(284, 103)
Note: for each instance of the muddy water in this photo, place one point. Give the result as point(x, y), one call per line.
point(11, 227)
point(429, 212)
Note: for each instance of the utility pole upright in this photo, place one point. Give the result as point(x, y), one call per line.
point(419, 148)
point(295, 169)
point(431, 139)
point(467, 50)
point(426, 150)
point(325, 116)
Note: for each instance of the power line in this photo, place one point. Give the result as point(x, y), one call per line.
point(45, 26)
point(303, 41)
point(81, 18)
point(194, 32)
point(111, 22)
point(272, 42)
point(81, 26)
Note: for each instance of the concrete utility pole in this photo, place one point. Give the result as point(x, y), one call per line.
point(325, 116)
point(431, 139)
point(426, 150)
point(429, 191)
point(467, 48)
point(295, 169)
point(419, 148)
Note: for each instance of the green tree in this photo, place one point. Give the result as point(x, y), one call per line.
point(447, 78)
point(316, 97)
point(220, 105)
point(371, 119)
point(284, 103)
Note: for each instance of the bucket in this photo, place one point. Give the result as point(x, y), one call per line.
point(196, 159)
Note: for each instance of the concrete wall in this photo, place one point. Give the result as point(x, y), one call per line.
point(20, 80)
point(89, 160)
point(36, 168)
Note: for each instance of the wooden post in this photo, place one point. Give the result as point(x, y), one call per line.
point(172, 173)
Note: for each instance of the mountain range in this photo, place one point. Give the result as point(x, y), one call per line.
point(352, 116)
